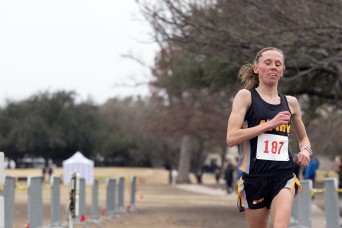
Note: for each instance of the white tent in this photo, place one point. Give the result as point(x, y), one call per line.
point(79, 164)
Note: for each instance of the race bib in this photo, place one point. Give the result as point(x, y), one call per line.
point(272, 147)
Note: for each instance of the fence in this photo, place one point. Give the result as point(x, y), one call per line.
point(302, 213)
point(114, 202)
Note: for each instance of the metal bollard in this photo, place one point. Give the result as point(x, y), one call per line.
point(331, 203)
point(2, 210)
point(82, 198)
point(35, 201)
point(9, 194)
point(95, 212)
point(133, 191)
point(2, 183)
point(304, 204)
point(121, 195)
point(111, 196)
point(55, 201)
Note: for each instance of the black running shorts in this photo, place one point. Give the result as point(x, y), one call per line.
point(256, 192)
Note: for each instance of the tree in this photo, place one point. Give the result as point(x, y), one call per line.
point(127, 138)
point(325, 131)
point(226, 34)
point(49, 125)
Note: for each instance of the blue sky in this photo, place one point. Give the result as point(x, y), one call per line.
point(49, 45)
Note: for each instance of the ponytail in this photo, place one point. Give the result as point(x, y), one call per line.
point(247, 76)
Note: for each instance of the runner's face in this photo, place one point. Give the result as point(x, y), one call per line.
point(270, 67)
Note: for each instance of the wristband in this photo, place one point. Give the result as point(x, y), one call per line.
point(308, 149)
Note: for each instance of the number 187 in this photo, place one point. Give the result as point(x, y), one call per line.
point(275, 146)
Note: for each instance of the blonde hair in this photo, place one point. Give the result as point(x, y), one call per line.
point(246, 73)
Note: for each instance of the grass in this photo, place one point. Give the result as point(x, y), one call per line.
point(101, 173)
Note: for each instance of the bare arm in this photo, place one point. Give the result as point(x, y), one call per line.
point(236, 134)
point(303, 140)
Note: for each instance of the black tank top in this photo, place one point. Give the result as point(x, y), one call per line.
point(258, 113)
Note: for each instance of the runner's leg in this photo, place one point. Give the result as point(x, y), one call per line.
point(281, 208)
point(257, 218)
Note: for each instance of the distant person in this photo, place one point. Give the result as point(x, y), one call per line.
point(50, 171)
point(310, 171)
point(217, 173)
point(44, 169)
point(229, 176)
point(12, 164)
point(303, 172)
point(174, 175)
point(199, 175)
point(169, 169)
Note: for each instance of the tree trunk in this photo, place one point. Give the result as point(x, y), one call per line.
point(184, 160)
